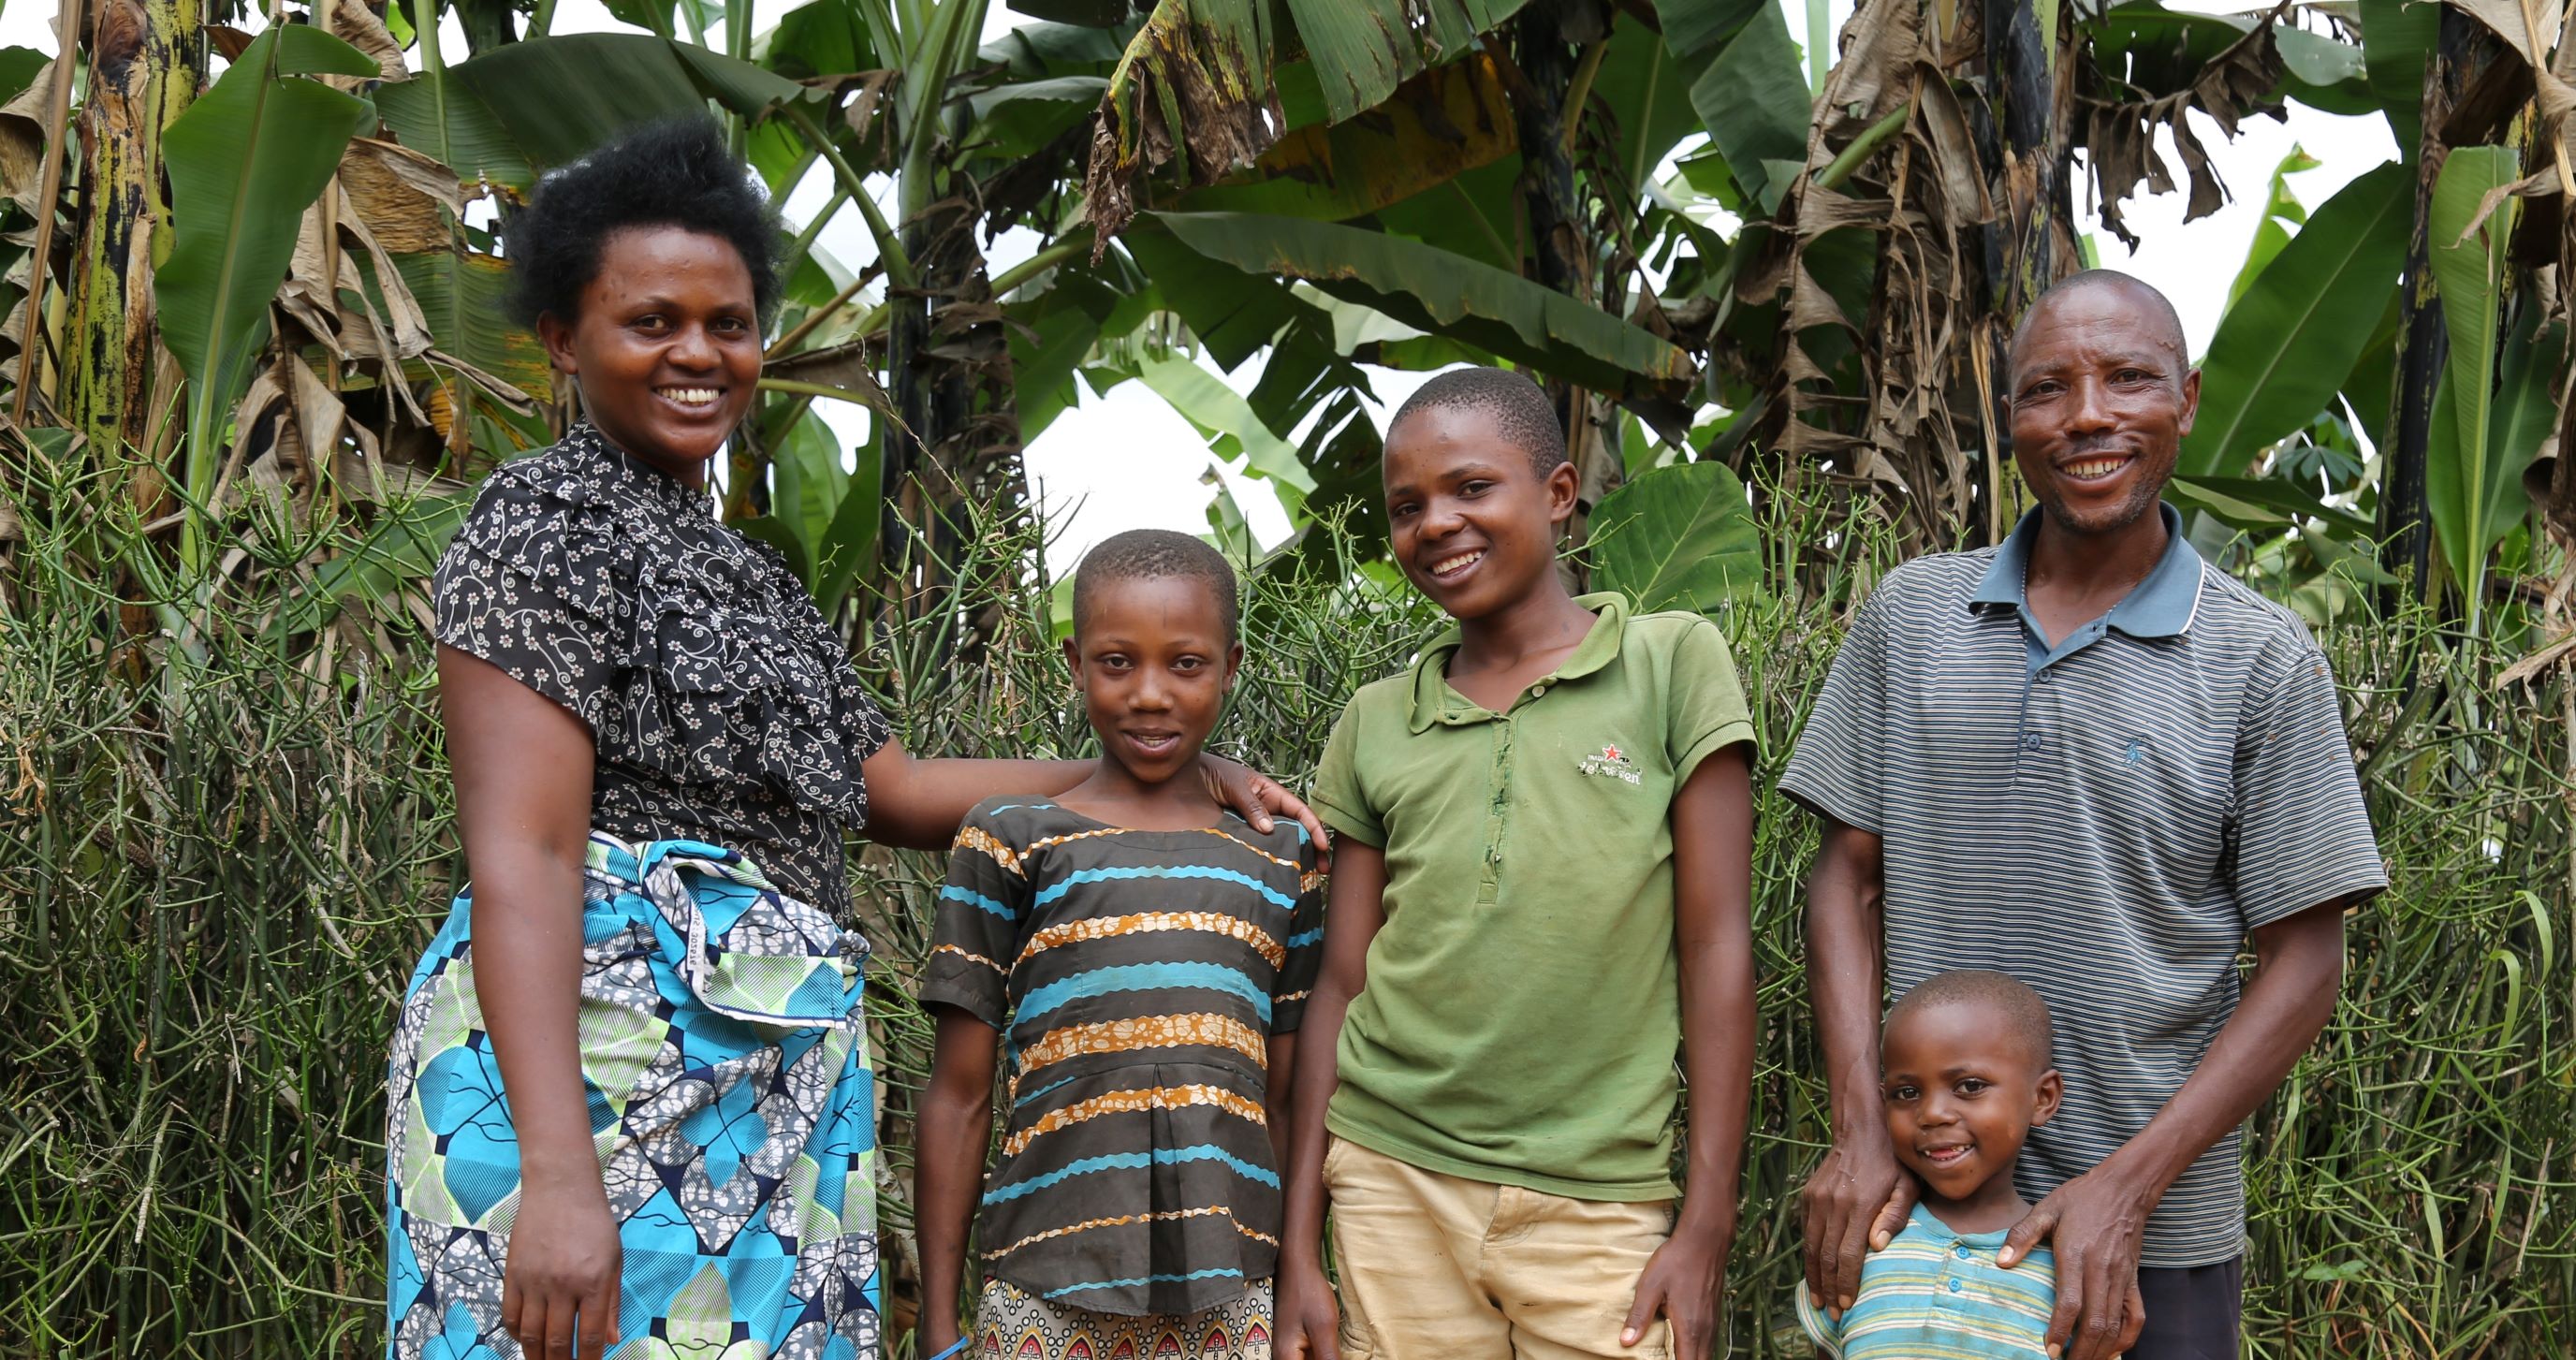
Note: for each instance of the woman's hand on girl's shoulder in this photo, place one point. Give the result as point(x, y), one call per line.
point(1256, 797)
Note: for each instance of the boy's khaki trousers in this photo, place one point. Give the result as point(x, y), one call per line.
point(1438, 1267)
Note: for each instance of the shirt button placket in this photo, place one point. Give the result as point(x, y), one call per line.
point(1488, 891)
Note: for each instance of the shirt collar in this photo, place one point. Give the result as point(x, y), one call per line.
point(612, 471)
point(2162, 605)
point(1433, 699)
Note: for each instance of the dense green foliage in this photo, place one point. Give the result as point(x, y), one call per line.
point(224, 886)
point(225, 824)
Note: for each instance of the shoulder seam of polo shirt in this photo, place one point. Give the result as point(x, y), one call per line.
point(1522, 1009)
point(2105, 817)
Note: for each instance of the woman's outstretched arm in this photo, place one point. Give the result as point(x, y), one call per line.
point(915, 802)
point(523, 767)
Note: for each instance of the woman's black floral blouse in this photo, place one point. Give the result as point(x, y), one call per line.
point(722, 708)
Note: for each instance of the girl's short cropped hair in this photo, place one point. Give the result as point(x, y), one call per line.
point(1151, 554)
point(674, 173)
point(1515, 403)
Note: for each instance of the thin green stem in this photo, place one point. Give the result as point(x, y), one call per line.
point(1073, 244)
point(804, 242)
point(795, 387)
point(1820, 44)
point(898, 262)
point(1844, 165)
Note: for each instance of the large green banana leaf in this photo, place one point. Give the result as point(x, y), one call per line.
point(1226, 418)
point(2397, 39)
point(2162, 50)
point(2468, 267)
point(518, 110)
point(2473, 509)
point(245, 161)
point(1219, 61)
point(466, 300)
point(1434, 290)
point(1442, 122)
point(1693, 28)
point(1753, 98)
point(2283, 351)
point(2282, 211)
point(1680, 537)
point(1234, 315)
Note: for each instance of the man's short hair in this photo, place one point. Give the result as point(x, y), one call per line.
point(1521, 411)
point(1153, 554)
point(2007, 997)
point(2159, 308)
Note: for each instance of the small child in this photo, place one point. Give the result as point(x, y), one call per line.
point(1147, 956)
point(1541, 885)
point(1966, 1076)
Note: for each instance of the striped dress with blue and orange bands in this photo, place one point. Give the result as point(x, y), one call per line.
point(1934, 1294)
point(1136, 977)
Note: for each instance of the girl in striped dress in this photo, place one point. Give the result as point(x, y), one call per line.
point(1144, 958)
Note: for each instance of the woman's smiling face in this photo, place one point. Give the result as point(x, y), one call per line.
point(666, 346)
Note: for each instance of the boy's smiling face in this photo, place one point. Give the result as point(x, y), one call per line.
point(1963, 1090)
point(1154, 663)
point(1472, 523)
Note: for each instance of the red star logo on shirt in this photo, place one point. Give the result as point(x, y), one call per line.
point(1610, 753)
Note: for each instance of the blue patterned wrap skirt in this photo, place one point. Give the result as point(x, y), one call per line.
point(725, 1058)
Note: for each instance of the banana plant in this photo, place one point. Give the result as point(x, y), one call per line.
point(245, 161)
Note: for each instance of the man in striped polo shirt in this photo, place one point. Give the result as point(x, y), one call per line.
point(2086, 759)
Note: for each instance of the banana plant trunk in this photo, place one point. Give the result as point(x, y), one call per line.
point(1552, 44)
point(2463, 52)
point(146, 60)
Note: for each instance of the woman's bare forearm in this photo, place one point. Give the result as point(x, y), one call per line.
point(523, 767)
point(916, 803)
point(527, 966)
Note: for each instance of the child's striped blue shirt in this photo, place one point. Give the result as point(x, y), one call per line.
point(1938, 1295)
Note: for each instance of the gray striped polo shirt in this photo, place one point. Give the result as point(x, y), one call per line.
point(2104, 819)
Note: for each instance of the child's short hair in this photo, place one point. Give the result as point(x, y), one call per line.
point(1518, 407)
point(2021, 1007)
point(1151, 554)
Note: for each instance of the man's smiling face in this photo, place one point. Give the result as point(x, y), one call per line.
point(2102, 395)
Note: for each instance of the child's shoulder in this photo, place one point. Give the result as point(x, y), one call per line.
point(1387, 695)
point(1013, 817)
point(1667, 629)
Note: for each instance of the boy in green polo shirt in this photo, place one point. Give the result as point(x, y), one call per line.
point(1540, 895)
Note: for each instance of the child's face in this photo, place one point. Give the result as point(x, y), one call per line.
point(1963, 1091)
point(1473, 524)
point(1153, 663)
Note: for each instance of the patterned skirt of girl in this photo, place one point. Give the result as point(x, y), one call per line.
point(726, 1065)
point(1012, 1324)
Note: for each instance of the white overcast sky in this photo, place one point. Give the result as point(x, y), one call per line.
point(1127, 460)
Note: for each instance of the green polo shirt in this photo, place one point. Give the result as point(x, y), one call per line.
point(1522, 1012)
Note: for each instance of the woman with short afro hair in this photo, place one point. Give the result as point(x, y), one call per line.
point(630, 1104)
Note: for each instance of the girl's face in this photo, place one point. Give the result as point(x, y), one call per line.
point(1472, 523)
point(1154, 664)
point(666, 346)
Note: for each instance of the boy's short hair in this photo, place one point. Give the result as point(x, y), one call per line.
point(2021, 1007)
point(1152, 554)
point(1520, 410)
